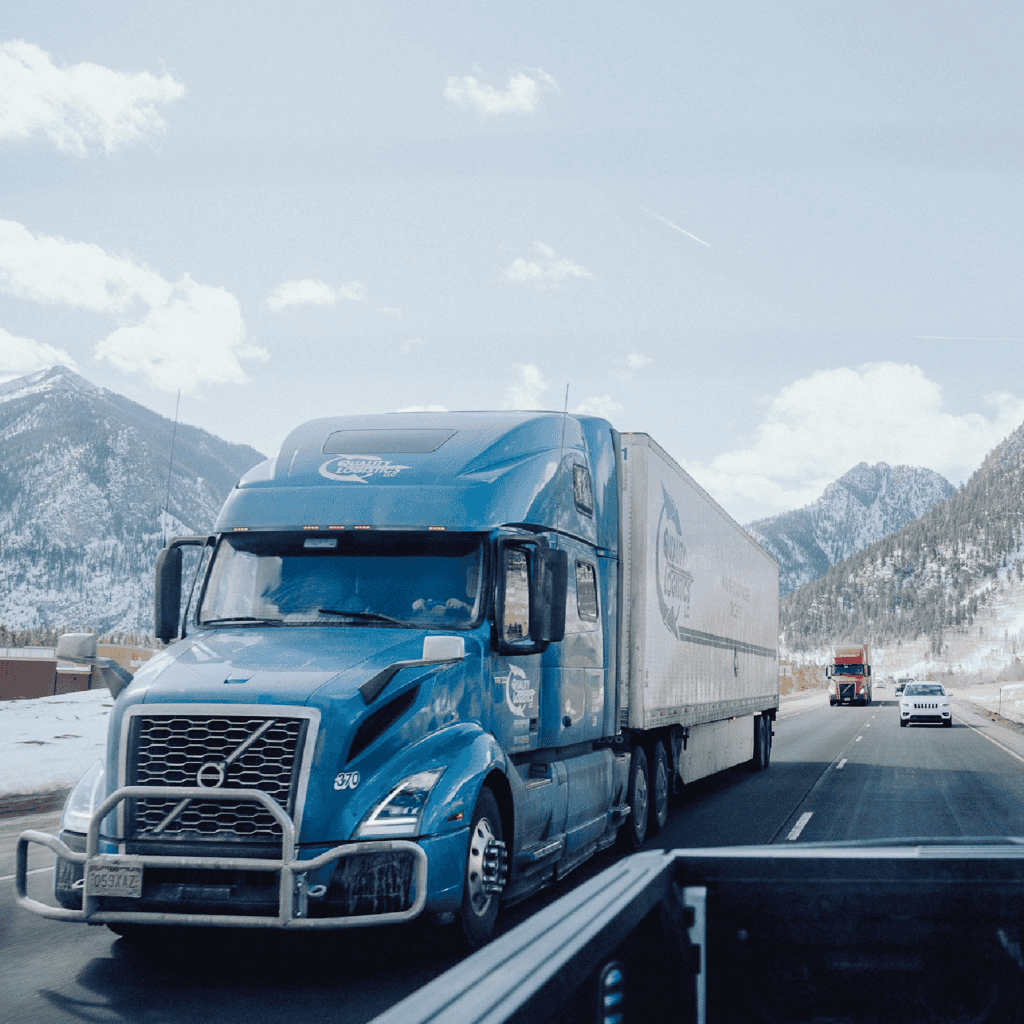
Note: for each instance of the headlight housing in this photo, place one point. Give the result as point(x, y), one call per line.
point(83, 800)
point(399, 813)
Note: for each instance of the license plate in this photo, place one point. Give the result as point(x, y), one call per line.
point(110, 880)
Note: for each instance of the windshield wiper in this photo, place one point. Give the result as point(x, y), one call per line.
point(365, 616)
point(240, 618)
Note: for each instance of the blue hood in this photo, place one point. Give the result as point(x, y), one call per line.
point(284, 665)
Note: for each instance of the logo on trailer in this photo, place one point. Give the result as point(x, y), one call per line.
point(359, 468)
point(673, 578)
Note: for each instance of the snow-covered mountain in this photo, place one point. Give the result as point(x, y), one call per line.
point(89, 489)
point(938, 578)
point(861, 507)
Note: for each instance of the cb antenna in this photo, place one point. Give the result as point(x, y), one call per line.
point(170, 463)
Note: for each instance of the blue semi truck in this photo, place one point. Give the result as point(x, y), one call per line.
point(426, 663)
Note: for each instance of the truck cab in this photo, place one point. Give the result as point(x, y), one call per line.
point(401, 631)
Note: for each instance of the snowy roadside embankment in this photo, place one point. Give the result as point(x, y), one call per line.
point(48, 744)
point(1006, 699)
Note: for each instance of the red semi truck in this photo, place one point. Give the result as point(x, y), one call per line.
point(850, 675)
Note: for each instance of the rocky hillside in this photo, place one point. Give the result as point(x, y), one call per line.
point(930, 578)
point(86, 500)
point(861, 507)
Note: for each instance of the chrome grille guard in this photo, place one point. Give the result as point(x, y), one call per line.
point(293, 891)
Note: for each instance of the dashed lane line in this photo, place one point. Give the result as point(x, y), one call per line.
point(794, 832)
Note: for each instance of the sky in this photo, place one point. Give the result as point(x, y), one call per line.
point(782, 238)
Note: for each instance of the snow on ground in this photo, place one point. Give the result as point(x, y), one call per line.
point(50, 743)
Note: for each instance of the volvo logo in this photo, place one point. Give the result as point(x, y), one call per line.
point(211, 775)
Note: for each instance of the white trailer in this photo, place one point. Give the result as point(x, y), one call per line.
point(698, 625)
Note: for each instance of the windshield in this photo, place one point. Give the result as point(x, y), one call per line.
point(924, 690)
point(378, 578)
point(848, 670)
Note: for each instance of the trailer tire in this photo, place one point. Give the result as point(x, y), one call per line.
point(479, 910)
point(633, 833)
point(661, 783)
point(759, 760)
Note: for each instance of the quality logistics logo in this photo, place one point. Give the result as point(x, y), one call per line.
point(674, 580)
point(359, 468)
point(520, 695)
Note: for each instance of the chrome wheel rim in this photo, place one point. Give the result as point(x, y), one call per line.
point(479, 900)
point(661, 792)
point(640, 799)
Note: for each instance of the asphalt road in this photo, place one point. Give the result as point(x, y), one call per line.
point(836, 773)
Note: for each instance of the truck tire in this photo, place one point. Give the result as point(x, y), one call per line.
point(479, 909)
point(661, 783)
point(759, 760)
point(633, 833)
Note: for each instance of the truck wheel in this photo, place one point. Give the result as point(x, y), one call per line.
point(479, 909)
point(660, 785)
point(759, 761)
point(634, 831)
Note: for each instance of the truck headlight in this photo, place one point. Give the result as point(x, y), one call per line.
point(399, 813)
point(83, 800)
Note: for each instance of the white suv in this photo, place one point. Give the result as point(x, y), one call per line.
point(925, 702)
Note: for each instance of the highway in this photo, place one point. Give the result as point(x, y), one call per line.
point(836, 774)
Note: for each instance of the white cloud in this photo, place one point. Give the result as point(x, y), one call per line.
point(197, 337)
point(545, 271)
point(19, 356)
point(520, 97)
point(527, 393)
point(53, 270)
point(819, 427)
point(316, 293)
point(178, 335)
point(80, 105)
point(631, 364)
point(603, 405)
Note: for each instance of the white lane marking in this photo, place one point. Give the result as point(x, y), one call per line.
point(989, 738)
point(841, 763)
point(10, 878)
point(799, 826)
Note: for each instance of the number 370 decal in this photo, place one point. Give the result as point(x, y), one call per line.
point(346, 780)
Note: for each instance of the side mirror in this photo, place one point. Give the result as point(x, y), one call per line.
point(828, 671)
point(549, 587)
point(167, 591)
point(81, 648)
point(78, 647)
point(530, 602)
point(167, 594)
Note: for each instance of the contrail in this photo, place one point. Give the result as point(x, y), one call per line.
point(947, 337)
point(675, 227)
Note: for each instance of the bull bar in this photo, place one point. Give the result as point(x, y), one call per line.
point(293, 891)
